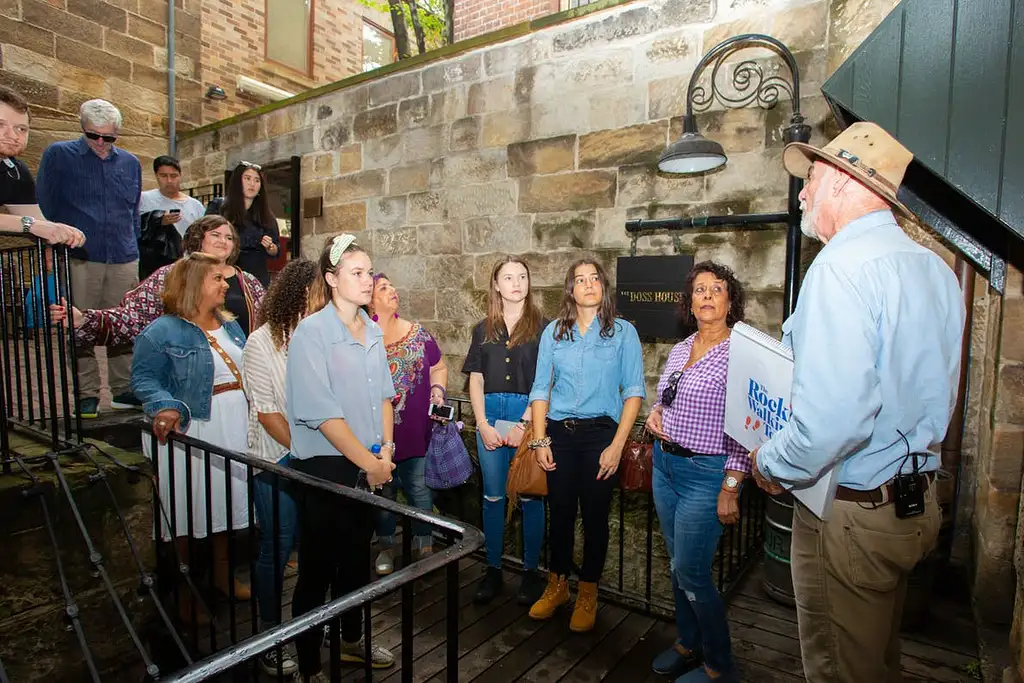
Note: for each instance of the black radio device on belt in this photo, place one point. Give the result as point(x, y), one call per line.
point(908, 488)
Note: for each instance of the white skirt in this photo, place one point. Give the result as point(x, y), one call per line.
point(226, 428)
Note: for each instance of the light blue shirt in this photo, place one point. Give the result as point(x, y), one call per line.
point(331, 375)
point(876, 338)
point(593, 375)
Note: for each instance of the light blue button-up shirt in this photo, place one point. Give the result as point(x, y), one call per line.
point(331, 375)
point(876, 338)
point(593, 375)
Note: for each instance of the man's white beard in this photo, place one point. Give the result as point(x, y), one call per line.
point(807, 224)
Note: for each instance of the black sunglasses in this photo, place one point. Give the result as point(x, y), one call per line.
point(97, 136)
point(669, 394)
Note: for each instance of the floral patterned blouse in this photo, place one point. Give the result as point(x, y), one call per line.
point(410, 359)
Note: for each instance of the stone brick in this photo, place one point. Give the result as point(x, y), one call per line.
point(747, 175)
point(426, 110)
point(149, 78)
point(1012, 345)
point(350, 159)
point(460, 306)
point(375, 123)
point(128, 47)
point(569, 230)
point(426, 143)
point(383, 152)
point(1006, 462)
point(400, 242)
point(559, 117)
point(10, 9)
point(46, 16)
point(355, 186)
point(475, 167)
point(418, 304)
point(1010, 394)
point(567, 192)
point(394, 87)
point(799, 28)
point(28, 37)
point(465, 134)
point(617, 107)
point(494, 95)
point(38, 93)
point(147, 30)
point(335, 135)
point(460, 70)
point(469, 201)
point(505, 58)
point(341, 218)
point(93, 59)
point(506, 127)
point(412, 178)
point(113, 18)
point(385, 213)
point(542, 156)
point(688, 12)
point(427, 207)
point(440, 238)
point(666, 97)
point(501, 234)
point(632, 22)
point(24, 62)
point(634, 145)
point(644, 184)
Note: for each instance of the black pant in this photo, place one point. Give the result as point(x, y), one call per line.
point(335, 552)
point(577, 448)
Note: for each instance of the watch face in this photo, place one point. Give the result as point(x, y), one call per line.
point(731, 482)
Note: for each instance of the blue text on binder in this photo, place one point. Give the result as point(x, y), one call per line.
point(771, 411)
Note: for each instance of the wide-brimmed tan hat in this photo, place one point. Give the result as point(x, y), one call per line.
point(866, 152)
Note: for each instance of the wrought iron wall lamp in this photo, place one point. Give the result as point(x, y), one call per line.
point(692, 153)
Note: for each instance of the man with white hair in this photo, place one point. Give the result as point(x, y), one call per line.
point(876, 341)
point(92, 184)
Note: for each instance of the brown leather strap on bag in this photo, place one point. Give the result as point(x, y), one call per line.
point(227, 360)
point(525, 475)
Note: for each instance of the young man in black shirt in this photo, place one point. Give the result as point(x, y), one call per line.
point(17, 189)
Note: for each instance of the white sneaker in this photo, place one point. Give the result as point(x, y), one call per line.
point(269, 662)
point(385, 563)
point(355, 653)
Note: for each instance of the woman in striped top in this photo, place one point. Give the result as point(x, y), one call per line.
point(266, 356)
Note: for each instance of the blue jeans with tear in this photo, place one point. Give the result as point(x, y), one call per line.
point(268, 570)
point(686, 498)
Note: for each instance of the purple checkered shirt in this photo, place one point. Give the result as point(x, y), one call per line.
point(696, 418)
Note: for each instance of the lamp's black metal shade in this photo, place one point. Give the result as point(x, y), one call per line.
point(215, 92)
point(691, 153)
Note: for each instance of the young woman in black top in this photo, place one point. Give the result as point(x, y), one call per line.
point(501, 362)
point(246, 205)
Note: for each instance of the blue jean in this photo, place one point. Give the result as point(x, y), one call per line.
point(494, 468)
point(408, 476)
point(686, 498)
point(268, 573)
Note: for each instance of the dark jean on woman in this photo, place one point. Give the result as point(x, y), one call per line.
point(268, 591)
point(494, 468)
point(686, 498)
point(408, 476)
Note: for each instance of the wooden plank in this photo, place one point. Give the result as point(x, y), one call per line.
point(563, 658)
point(620, 641)
point(637, 662)
point(752, 672)
point(479, 658)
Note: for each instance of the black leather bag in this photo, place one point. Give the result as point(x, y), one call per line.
point(159, 244)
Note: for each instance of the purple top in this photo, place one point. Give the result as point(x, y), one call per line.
point(696, 418)
point(410, 359)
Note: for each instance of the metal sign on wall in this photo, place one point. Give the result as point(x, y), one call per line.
point(648, 292)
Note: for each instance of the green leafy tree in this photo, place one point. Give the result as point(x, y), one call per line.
point(427, 21)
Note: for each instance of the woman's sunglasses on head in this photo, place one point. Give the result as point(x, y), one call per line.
point(97, 136)
point(249, 164)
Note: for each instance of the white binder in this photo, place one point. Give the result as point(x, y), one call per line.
point(757, 403)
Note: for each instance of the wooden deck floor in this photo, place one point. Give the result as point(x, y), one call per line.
point(500, 643)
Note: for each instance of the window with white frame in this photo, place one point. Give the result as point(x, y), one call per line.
point(573, 4)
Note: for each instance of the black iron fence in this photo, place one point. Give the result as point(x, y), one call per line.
point(40, 379)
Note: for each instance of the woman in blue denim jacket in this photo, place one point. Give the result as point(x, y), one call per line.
point(186, 371)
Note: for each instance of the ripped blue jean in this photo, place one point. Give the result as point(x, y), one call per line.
point(686, 498)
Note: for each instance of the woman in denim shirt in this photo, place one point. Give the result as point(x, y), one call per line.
point(185, 370)
point(592, 364)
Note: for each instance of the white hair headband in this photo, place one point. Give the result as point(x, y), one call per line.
point(339, 245)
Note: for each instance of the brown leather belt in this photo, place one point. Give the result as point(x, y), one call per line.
point(883, 495)
point(230, 386)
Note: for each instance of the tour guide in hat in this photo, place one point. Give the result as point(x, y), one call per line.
point(876, 340)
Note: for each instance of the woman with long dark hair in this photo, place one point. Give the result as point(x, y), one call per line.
point(501, 362)
point(246, 205)
point(591, 363)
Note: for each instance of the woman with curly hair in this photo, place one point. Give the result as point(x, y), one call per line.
point(266, 356)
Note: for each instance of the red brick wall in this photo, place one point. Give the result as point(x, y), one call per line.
point(474, 17)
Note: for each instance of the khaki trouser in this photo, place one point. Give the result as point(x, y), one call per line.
point(850, 580)
point(102, 285)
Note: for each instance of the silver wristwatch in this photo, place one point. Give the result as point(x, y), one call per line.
point(26, 224)
point(731, 483)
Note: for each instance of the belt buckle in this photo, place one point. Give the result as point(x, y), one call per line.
point(570, 425)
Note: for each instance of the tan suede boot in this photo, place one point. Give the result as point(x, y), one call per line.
point(555, 595)
point(242, 592)
point(585, 612)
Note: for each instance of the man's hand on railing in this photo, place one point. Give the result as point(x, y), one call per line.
point(165, 422)
point(59, 313)
point(58, 233)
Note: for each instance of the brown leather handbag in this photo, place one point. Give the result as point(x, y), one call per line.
point(636, 467)
point(525, 476)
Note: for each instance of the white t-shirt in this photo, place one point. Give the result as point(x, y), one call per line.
point(191, 209)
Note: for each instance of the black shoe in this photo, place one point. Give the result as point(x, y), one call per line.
point(125, 401)
point(489, 587)
point(531, 587)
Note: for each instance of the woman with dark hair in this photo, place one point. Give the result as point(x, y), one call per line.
point(590, 363)
point(501, 362)
point(246, 205)
point(339, 394)
point(420, 376)
point(266, 356)
point(698, 471)
point(212, 235)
